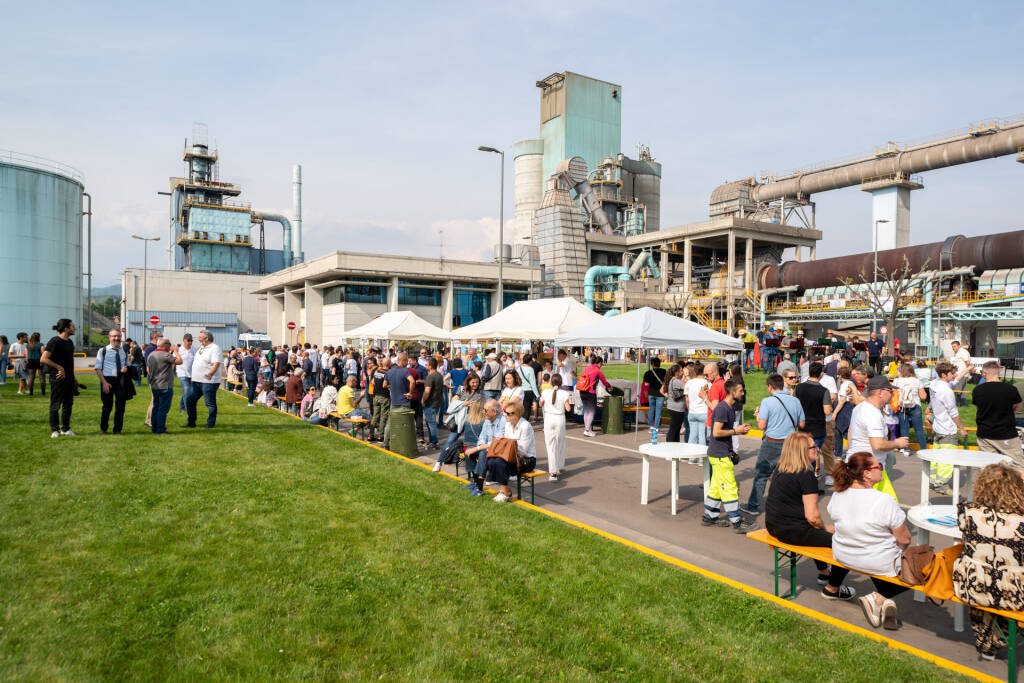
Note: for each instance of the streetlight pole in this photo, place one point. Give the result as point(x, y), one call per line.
point(501, 225)
point(874, 273)
point(145, 278)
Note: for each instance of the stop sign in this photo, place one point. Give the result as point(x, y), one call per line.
point(883, 330)
point(154, 320)
point(291, 326)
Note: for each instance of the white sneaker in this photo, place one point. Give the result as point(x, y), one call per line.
point(68, 433)
point(54, 435)
point(437, 467)
point(501, 498)
point(890, 615)
point(251, 405)
point(588, 433)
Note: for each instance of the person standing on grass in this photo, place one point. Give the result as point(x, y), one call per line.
point(996, 403)
point(433, 389)
point(961, 361)
point(187, 353)
point(35, 352)
point(723, 493)
point(911, 394)
point(59, 357)
point(399, 384)
point(207, 368)
point(654, 378)
point(875, 348)
point(946, 425)
point(778, 416)
point(112, 369)
point(250, 369)
point(555, 403)
point(5, 348)
point(18, 356)
point(381, 399)
point(160, 366)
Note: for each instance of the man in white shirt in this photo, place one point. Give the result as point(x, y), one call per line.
point(187, 352)
point(961, 360)
point(207, 368)
point(867, 428)
point(945, 418)
point(111, 367)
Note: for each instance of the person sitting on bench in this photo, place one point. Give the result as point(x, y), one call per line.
point(791, 510)
point(870, 533)
point(989, 572)
point(347, 400)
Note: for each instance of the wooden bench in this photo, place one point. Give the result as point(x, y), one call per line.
point(356, 424)
point(238, 386)
point(529, 476)
point(784, 554)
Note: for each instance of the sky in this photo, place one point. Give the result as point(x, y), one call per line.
point(384, 105)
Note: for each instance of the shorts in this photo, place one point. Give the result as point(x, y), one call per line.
point(21, 369)
point(33, 364)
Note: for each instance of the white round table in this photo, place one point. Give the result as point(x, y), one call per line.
point(959, 459)
point(919, 517)
point(673, 451)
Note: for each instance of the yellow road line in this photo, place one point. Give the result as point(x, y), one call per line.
point(757, 592)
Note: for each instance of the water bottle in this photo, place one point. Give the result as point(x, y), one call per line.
point(654, 436)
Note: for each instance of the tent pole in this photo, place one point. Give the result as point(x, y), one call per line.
point(636, 415)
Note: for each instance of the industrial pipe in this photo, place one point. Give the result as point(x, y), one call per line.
point(286, 246)
point(297, 212)
point(988, 252)
point(638, 265)
point(590, 280)
point(961, 150)
point(88, 304)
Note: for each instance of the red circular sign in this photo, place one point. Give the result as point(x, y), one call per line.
point(291, 326)
point(883, 330)
point(154, 320)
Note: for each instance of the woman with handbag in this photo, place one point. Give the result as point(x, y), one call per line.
point(990, 571)
point(587, 386)
point(516, 453)
point(791, 510)
point(870, 533)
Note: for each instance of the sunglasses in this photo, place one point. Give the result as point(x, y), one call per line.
point(875, 467)
point(510, 412)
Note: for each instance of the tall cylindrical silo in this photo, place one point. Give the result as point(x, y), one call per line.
point(528, 187)
point(41, 257)
point(644, 183)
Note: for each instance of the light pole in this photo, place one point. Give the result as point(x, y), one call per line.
point(501, 225)
point(145, 277)
point(874, 273)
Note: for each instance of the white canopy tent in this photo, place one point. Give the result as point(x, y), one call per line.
point(399, 326)
point(536, 319)
point(647, 328)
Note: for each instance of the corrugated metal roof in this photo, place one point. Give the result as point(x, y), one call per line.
point(186, 317)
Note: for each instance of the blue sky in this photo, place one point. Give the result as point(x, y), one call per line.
point(385, 103)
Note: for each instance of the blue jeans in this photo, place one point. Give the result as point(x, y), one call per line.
point(840, 436)
point(767, 459)
point(356, 413)
point(911, 417)
point(655, 405)
point(186, 389)
point(251, 384)
point(430, 414)
point(491, 393)
point(208, 390)
point(138, 373)
point(161, 406)
point(698, 428)
point(3, 368)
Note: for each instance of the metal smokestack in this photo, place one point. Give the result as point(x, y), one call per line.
point(297, 213)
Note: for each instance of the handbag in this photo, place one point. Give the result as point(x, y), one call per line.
point(939, 585)
point(915, 564)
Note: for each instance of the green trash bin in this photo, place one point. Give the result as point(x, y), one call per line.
point(403, 432)
point(611, 415)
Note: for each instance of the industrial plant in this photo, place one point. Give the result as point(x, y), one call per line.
point(586, 223)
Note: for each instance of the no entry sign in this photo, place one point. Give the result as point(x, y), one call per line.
point(291, 326)
point(883, 330)
point(154, 320)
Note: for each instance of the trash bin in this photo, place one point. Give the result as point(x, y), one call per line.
point(403, 432)
point(611, 418)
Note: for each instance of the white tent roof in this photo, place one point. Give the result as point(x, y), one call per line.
point(399, 325)
point(648, 328)
point(536, 319)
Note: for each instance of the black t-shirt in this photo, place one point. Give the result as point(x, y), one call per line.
point(722, 447)
point(379, 375)
point(995, 401)
point(538, 370)
point(62, 352)
point(436, 384)
point(813, 397)
point(655, 377)
point(784, 506)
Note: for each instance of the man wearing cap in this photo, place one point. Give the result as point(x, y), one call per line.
point(867, 426)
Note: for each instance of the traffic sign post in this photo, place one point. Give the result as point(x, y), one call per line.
point(154, 320)
point(883, 330)
point(291, 326)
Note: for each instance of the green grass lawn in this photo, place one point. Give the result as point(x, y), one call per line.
point(756, 391)
point(270, 549)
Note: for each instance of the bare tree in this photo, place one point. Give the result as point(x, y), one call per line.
point(886, 294)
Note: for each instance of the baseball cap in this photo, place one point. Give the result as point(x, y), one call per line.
point(878, 382)
point(492, 356)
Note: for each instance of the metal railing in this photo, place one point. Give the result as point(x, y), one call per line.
point(41, 163)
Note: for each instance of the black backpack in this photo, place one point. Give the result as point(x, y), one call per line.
point(452, 453)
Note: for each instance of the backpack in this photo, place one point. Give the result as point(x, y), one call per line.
point(452, 453)
point(586, 381)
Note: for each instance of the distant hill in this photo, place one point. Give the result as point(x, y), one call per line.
point(100, 292)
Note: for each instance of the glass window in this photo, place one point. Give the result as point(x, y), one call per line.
point(422, 283)
point(470, 307)
point(411, 296)
point(355, 294)
point(513, 295)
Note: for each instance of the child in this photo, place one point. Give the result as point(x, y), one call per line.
point(267, 397)
point(306, 406)
point(546, 382)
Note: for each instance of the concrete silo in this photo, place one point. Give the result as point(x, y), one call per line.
point(41, 238)
point(528, 187)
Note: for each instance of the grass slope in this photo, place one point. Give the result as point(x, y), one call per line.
point(271, 549)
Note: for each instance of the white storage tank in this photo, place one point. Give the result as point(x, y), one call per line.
point(528, 187)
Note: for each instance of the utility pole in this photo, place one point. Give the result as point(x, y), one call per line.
point(501, 225)
point(145, 279)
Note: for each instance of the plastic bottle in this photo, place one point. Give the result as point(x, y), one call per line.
point(654, 436)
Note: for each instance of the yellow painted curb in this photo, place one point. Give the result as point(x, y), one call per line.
point(781, 602)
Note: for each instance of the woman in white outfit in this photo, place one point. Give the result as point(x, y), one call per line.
point(555, 402)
